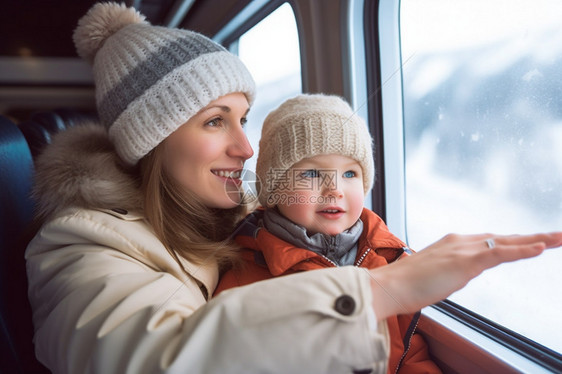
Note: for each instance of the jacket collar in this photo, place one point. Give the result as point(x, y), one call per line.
point(81, 168)
point(377, 246)
point(378, 237)
point(340, 248)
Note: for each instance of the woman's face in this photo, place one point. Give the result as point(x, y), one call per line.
point(207, 153)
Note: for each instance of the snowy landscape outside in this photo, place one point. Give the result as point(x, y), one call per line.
point(483, 138)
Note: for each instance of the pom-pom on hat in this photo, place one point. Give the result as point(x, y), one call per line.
point(151, 79)
point(307, 126)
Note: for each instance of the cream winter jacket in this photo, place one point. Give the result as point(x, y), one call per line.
point(108, 298)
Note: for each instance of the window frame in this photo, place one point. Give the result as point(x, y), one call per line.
point(384, 90)
point(385, 112)
point(250, 16)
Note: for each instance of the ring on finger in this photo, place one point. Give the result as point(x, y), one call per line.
point(491, 243)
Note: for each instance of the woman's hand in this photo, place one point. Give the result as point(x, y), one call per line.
point(446, 266)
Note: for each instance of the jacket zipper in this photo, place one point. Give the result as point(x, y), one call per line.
point(330, 261)
point(358, 263)
point(413, 330)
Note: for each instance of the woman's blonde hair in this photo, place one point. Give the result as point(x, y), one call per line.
point(185, 226)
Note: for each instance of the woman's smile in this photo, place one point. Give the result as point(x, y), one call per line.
point(227, 173)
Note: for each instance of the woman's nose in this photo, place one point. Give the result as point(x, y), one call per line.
point(240, 145)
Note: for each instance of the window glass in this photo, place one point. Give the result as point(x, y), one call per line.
point(482, 86)
point(271, 52)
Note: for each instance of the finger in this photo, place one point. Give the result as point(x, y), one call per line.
point(509, 253)
point(550, 240)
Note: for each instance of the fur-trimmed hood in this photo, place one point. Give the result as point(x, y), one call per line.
point(81, 168)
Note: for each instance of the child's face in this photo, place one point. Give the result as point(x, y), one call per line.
point(326, 194)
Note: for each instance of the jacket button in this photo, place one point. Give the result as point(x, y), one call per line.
point(345, 305)
point(120, 210)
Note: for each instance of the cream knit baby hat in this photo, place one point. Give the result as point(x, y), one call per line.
point(151, 79)
point(306, 126)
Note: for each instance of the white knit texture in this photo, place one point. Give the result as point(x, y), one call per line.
point(125, 50)
point(174, 99)
point(149, 79)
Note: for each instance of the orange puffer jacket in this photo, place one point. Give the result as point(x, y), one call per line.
point(266, 256)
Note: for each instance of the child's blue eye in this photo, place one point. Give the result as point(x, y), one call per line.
point(349, 174)
point(311, 173)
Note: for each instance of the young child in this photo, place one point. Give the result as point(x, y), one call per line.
point(314, 168)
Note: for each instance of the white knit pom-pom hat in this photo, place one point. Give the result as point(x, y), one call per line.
point(309, 125)
point(151, 79)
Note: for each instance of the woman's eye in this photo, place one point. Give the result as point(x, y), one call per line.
point(215, 122)
point(349, 174)
point(243, 121)
point(311, 173)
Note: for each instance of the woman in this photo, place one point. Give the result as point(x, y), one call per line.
point(137, 214)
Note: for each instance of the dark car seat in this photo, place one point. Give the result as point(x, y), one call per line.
point(41, 126)
point(16, 170)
